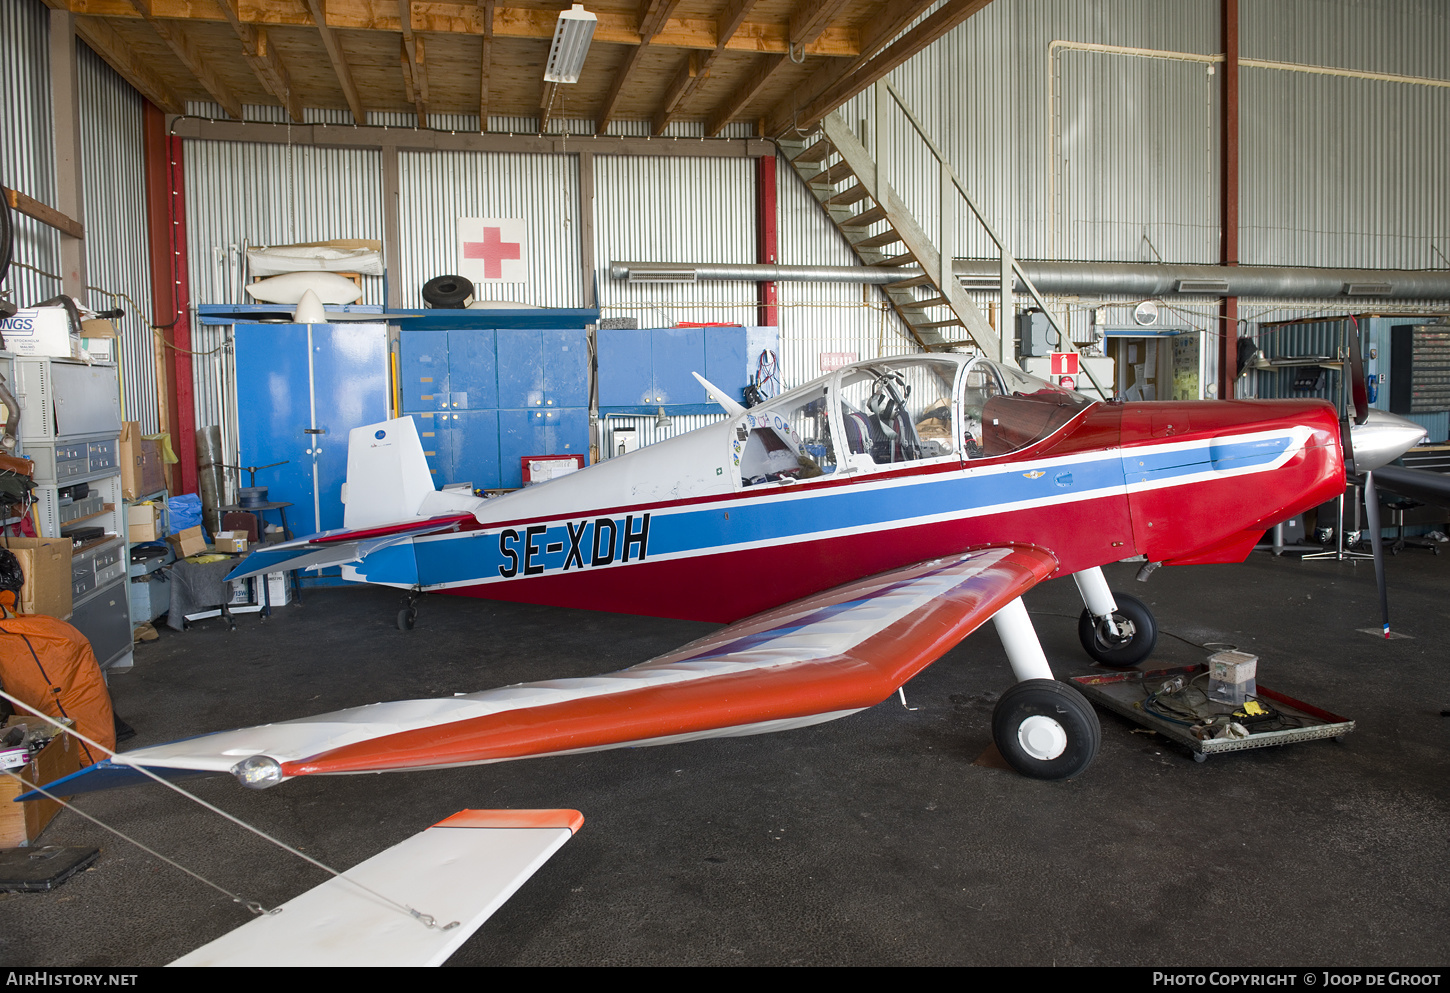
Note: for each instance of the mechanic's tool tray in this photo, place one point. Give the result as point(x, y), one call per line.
point(1124, 692)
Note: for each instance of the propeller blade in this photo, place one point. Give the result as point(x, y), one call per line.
point(1376, 541)
point(1358, 387)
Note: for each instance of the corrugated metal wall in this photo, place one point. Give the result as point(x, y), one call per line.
point(27, 150)
point(118, 266)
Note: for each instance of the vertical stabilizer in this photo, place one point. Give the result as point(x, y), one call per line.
point(387, 474)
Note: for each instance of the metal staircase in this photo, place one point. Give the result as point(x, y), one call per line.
point(844, 177)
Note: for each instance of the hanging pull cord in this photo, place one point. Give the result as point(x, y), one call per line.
point(426, 920)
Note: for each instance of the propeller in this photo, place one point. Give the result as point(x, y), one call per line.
point(1373, 439)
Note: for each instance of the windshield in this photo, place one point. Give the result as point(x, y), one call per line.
point(1004, 409)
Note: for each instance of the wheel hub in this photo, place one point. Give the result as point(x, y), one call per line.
point(1042, 737)
point(1126, 631)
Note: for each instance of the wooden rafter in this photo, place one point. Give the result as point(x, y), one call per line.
point(318, 11)
point(175, 38)
point(485, 12)
point(652, 17)
point(696, 70)
point(744, 94)
point(829, 90)
point(415, 70)
point(111, 47)
point(263, 58)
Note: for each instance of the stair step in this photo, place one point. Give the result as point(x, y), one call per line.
point(897, 260)
point(849, 195)
point(886, 237)
point(931, 302)
point(838, 172)
point(903, 284)
point(866, 217)
point(814, 153)
point(938, 324)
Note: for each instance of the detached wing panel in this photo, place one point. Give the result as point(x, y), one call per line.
point(813, 660)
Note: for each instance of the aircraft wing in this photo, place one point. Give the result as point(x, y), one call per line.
point(318, 551)
point(814, 660)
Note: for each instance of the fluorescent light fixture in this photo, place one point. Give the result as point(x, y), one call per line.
point(572, 35)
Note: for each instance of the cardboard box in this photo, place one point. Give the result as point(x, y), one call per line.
point(143, 522)
point(142, 471)
point(192, 541)
point(46, 565)
point(21, 823)
point(230, 541)
point(41, 331)
point(98, 340)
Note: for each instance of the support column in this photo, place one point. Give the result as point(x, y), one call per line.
point(391, 224)
point(586, 225)
point(766, 236)
point(65, 110)
point(166, 234)
point(1229, 196)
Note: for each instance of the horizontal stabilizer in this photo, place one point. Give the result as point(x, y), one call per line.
point(458, 873)
point(318, 551)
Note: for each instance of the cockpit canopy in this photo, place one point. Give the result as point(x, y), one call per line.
point(884, 412)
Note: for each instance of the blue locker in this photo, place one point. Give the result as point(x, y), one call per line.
point(423, 370)
point(725, 360)
point(522, 433)
point(432, 432)
point(473, 444)
point(566, 367)
point(520, 368)
point(626, 370)
point(677, 352)
point(472, 370)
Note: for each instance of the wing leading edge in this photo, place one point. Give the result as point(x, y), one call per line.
point(811, 661)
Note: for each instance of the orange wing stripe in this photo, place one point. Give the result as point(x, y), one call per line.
point(571, 819)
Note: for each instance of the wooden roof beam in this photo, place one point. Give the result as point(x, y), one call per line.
point(116, 53)
point(695, 71)
point(170, 32)
point(832, 88)
point(652, 17)
point(484, 15)
point(318, 10)
point(415, 70)
point(808, 22)
point(263, 58)
point(460, 17)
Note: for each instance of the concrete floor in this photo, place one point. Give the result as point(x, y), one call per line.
point(873, 840)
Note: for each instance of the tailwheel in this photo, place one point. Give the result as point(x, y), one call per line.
point(1046, 729)
point(1134, 640)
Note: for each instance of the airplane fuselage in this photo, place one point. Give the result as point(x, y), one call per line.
point(675, 530)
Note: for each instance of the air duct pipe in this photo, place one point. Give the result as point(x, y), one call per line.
point(1130, 279)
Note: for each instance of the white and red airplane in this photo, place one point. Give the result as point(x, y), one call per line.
point(849, 532)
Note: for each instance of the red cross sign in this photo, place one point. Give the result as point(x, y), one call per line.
point(491, 249)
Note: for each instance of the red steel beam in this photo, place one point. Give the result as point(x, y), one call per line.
point(766, 236)
point(166, 225)
point(1229, 197)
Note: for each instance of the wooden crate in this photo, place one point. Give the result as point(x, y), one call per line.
point(21, 823)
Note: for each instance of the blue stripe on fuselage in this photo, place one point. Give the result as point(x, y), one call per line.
point(787, 514)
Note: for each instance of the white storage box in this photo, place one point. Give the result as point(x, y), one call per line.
point(41, 331)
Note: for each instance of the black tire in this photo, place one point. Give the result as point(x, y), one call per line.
point(1046, 729)
point(1138, 634)
point(407, 617)
point(447, 292)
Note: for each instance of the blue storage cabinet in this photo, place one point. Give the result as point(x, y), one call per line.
point(300, 390)
point(485, 398)
point(643, 370)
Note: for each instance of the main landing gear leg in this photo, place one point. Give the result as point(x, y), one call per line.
point(1043, 728)
point(408, 616)
point(1117, 631)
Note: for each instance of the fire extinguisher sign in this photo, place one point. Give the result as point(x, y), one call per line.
point(1064, 364)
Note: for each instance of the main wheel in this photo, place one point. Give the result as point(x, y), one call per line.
point(1046, 730)
point(407, 617)
point(1136, 638)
